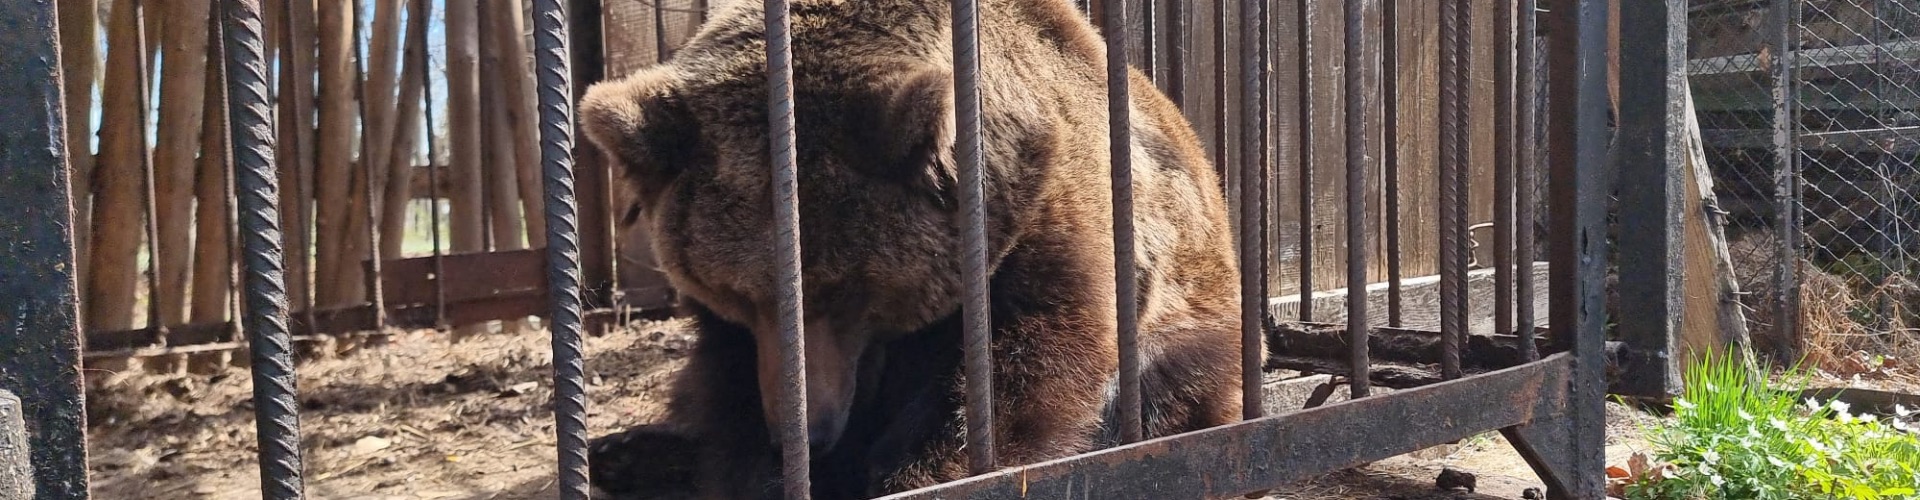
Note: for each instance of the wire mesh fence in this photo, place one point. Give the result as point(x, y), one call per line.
point(1808, 112)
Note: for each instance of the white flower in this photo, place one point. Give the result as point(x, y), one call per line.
point(1744, 415)
point(1902, 411)
point(1812, 405)
point(1683, 404)
point(1839, 406)
point(1778, 424)
point(1710, 457)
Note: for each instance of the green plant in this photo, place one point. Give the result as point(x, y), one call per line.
point(1733, 437)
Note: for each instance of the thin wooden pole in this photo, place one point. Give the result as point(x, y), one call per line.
point(295, 149)
point(113, 271)
point(183, 85)
point(336, 281)
point(467, 228)
point(393, 217)
point(502, 178)
point(516, 93)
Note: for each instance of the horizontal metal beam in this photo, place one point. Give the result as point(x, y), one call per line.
point(1278, 450)
point(1824, 58)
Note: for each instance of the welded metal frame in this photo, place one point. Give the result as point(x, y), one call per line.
point(1551, 408)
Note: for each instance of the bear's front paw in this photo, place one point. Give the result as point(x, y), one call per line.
point(646, 462)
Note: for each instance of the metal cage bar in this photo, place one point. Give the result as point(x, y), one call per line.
point(1304, 48)
point(1390, 171)
point(1253, 160)
point(792, 411)
point(553, 72)
point(37, 281)
point(1528, 79)
point(1454, 47)
point(250, 112)
point(1577, 173)
point(1362, 72)
point(976, 312)
point(1126, 287)
point(1503, 163)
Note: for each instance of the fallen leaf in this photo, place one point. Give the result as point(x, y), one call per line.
point(1615, 472)
point(1637, 466)
point(371, 444)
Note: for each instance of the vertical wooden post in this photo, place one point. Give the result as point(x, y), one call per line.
point(80, 67)
point(500, 171)
point(113, 273)
point(383, 68)
point(463, 116)
point(337, 280)
point(393, 216)
point(183, 86)
point(294, 151)
point(592, 177)
point(517, 95)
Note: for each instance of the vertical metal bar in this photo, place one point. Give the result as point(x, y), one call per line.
point(151, 218)
point(1120, 154)
point(976, 313)
point(1362, 72)
point(38, 289)
point(1577, 142)
point(1253, 159)
point(553, 72)
point(250, 112)
point(786, 216)
point(1651, 149)
point(1503, 144)
point(366, 168)
point(1525, 182)
point(1221, 137)
point(1787, 259)
point(1179, 32)
point(424, 8)
point(1150, 40)
point(1304, 36)
point(1390, 133)
point(1452, 274)
point(660, 53)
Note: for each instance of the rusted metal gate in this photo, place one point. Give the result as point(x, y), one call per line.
point(1548, 400)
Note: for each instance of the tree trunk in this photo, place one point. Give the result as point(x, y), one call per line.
point(333, 182)
point(382, 68)
point(80, 67)
point(517, 94)
point(502, 177)
point(463, 116)
point(183, 84)
point(295, 149)
point(117, 224)
point(393, 217)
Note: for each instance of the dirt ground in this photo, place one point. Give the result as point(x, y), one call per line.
point(423, 418)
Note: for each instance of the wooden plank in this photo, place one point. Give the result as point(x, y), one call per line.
point(1712, 318)
point(469, 276)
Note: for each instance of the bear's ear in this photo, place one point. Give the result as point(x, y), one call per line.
point(906, 131)
point(642, 123)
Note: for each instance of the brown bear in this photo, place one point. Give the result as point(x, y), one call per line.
point(873, 97)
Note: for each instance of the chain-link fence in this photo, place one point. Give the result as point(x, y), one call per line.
point(1810, 111)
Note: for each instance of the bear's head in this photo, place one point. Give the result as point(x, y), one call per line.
point(875, 136)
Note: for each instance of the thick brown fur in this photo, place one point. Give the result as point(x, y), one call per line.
point(873, 103)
